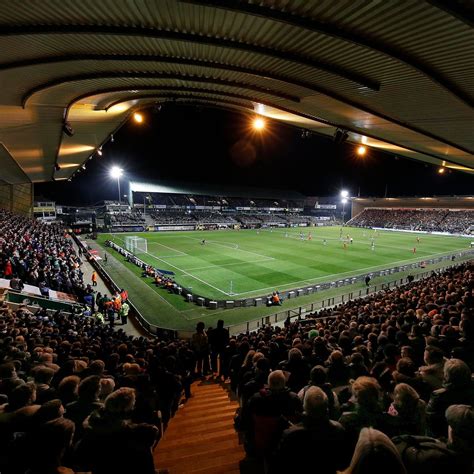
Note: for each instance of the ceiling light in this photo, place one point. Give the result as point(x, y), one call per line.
point(138, 117)
point(258, 123)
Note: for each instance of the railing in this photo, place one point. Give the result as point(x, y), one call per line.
point(281, 316)
point(18, 297)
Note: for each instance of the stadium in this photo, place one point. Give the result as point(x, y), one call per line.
point(236, 237)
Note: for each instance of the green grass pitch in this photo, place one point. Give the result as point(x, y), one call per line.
point(245, 263)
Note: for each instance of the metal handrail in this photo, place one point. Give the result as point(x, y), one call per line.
point(325, 303)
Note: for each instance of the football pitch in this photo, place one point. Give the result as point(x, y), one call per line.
point(246, 263)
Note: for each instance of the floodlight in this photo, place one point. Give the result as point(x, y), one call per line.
point(99, 151)
point(340, 136)
point(344, 194)
point(441, 170)
point(116, 172)
point(259, 123)
point(138, 117)
point(344, 200)
point(361, 150)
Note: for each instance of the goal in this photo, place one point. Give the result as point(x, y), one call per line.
point(136, 244)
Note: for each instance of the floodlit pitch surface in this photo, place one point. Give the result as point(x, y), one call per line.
point(244, 263)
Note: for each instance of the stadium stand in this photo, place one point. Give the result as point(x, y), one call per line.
point(380, 384)
point(439, 220)
point(38, 254)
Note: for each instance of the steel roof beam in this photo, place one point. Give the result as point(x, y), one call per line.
point(311, 24)
point(155, 75)
point(228, 67)
point(134, 31)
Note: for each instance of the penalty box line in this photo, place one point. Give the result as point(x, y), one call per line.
point(184, 271)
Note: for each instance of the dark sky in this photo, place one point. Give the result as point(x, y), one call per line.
point(205, 145)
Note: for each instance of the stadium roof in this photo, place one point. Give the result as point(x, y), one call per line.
point(213, 190)
point(397, 75)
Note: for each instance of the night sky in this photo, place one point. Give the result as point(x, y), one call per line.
point(193, 144)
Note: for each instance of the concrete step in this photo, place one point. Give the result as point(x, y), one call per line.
point(228, 468)
point(201, 418)
point(201, 438)
point(229, 458)
point(213, 448)
point(199, 413)
point(197, 439)
point(199, 429)
point(204, 405)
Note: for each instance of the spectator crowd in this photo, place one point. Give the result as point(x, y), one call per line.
point(430, 220)
point(38, 254)
point(380, 384)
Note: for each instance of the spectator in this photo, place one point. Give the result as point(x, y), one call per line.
point(318, 378)
point(44, 391)
point(68, 389)
point(458, 389)
point(112, 443)
point(338, 372)
point(408, 411)
point(200, 345)
point(264, 414)
point(9, 379)
point(367, 409)
point(375, 453)
point(316, 436)
point(432, 373)
point(424, 455)
point(297, 370)
point(87, 402)
point(218, 340)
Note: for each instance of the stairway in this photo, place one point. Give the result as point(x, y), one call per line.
point(201, 439)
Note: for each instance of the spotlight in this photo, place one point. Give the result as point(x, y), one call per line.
point(83, 166)
point(340, 136)
point(258, 123)
point(57, 167)
point(441, 170)
point(138, 117)
point(99, 151)
point(67, 129)
point(112, 138)
point(361, 150)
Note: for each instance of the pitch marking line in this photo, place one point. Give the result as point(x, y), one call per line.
point(185, 272)
point(234, 247)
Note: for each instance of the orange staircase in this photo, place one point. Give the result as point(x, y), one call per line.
point(201, 438)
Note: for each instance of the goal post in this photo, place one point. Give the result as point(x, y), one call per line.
point(136, 244)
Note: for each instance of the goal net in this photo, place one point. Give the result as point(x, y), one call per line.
point(136, 244)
